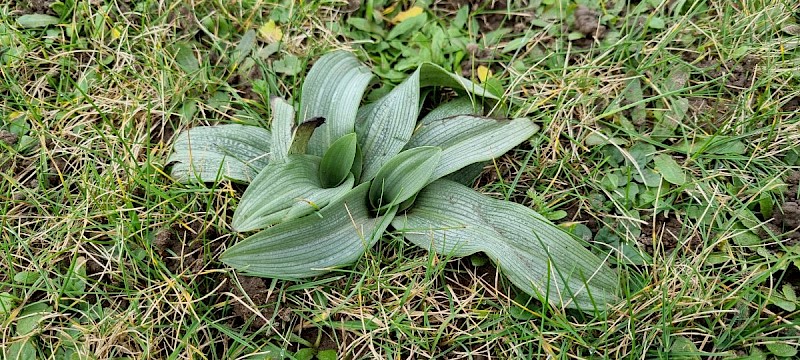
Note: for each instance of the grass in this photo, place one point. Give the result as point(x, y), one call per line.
point(103, 256)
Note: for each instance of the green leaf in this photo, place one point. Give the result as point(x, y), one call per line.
point(288, 65)
point(459, 106)
point(285, 191)
point(720, 145)
point(185, 58)
point(434, 75)
point(26, 277)
point(211, 153)
point(311, 245)
point(517, 43)
point(403, 176)
point(642, 154)
point(683, 349)
point(327, 355)
point(633, 95)
point(679, 107)
point(468, 139)
point(537, 256)
point(32, 21)
point(338, 161)
point(282, 127)
point(788, 292)
point(24, 349)
point(782, 349)
point(786, 299)
point(413, 23)
point(244, 48)
point(385, 126)
point(746, 238)
point(669, 169)
point(7, 302)
point(304, 354)
point(656, 23)
point(333, 90)
point(30, 317)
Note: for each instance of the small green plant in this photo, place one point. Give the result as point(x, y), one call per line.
point(324, 189)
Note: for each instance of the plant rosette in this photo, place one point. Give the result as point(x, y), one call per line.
point(327, 181)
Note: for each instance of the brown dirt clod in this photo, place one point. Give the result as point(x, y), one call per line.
point(587, 22)
point(258, 293)
point(38, 6)
point(670, 232)
point(8, 138)
point(787, 218)
point(181, 248)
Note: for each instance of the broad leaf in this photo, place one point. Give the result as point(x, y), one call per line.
point(669, 169)
point(282, 127)
point(211, 153)
point(434, 75)
point(285, 191)
point(403, 176)
point(338, 161)
point(333, 90)
point(534, 254)
point(460, 106)
point(385, 126)
point(468, 139)
point(31, 21)
point(311, 245)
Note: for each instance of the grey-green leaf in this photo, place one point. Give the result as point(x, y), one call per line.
point(468, 139)
point(282, 127)
point(434, 75)
point(211, 153)
point(534, 254)
point(669, 169)
point(333, 90)
point(32, 21)
point(185, 58)
point(244, 48)
point(312, 245)
point(338, 161)
point(460, 106)
point(285, 191)
point(385, 126)
point(403, 176)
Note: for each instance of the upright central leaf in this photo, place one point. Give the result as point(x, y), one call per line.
point(403, 176)
point(284, 191)
point(385, 126)
point(338, 161)
point(333, 90)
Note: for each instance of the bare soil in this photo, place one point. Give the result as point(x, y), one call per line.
point(36, 6)
point(786, 220)
point(670, 232)
point(587, 22)
point(738, 74)
point(8, 138)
